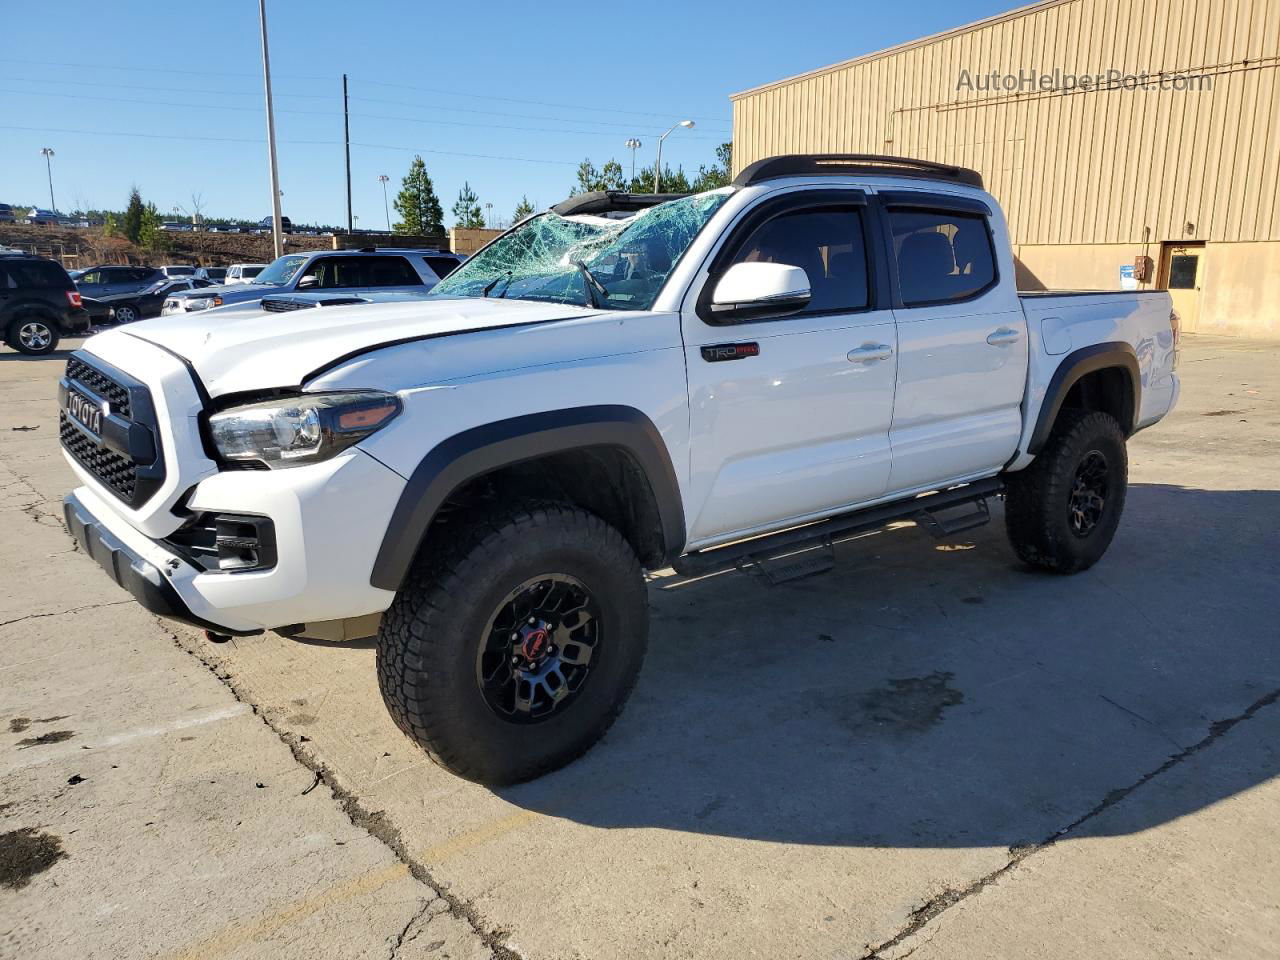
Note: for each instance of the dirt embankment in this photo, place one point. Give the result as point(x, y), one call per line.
point(87, 247)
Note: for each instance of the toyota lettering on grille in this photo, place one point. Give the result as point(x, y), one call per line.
point(87, 413)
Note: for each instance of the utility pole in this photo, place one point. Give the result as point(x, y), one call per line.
point(48, 162)
point(382, 178)
point(346, 137)
point(276, 232)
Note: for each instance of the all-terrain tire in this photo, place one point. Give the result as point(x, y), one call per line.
point(431, 636)
point(1043, 503)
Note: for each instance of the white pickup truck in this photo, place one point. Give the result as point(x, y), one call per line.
point(732, 379)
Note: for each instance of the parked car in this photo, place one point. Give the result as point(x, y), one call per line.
point(718, 381)
point(173, 271)
point(212, 274)
point(346, 270)
point(38, 304)
point(148, 302)
point(42, 218)
point(267, 225)
point(6, 213)
point(242, 273)
point(100, 314)
point(109, 281)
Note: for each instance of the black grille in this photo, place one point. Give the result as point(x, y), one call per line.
point(119, 474)
point(126, 457)
point(282, 306)
point(102, 385)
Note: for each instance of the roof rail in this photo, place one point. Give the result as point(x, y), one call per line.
point(607, 201)
point(844, 164)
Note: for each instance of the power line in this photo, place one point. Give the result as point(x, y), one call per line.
point(326, 143)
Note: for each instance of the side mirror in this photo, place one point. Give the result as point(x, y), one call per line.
point(753, 291)
point(309, 281)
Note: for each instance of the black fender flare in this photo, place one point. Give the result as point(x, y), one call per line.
point(480, 450)
point(1074, 366)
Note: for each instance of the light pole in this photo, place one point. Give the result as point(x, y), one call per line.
point(488, 215)
point(48, 162)
point(657, 171)
point(271, 134)
point(633, 145)
point(382, 179)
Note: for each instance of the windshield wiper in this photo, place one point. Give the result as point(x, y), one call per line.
point(496, 280)
point(593, 287)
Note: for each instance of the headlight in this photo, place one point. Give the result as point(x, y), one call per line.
point(294, 431)
point(203, 303)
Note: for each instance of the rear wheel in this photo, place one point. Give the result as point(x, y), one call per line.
point(1061, 513)
point(33, 336)
point(514, 644)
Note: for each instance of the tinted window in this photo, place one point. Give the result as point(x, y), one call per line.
point(333, 272)
point(827, 244)
point(941, 256)
point(391, 272)
point(442, 266)
point(1182, 272)
point(39, 275)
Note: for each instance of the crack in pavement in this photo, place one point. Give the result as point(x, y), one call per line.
point(400, 938)
point(372, 822)
point(63, 613)
point(949, 897)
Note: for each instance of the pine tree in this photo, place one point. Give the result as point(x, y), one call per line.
point(418, 204)
point(133, 217)
point(467, 212)
point(523, 209)
point(150, 236)
point(719, 174)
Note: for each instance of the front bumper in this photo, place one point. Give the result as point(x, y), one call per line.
point(138, 575)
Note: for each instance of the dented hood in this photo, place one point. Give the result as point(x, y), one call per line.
point(261, 350)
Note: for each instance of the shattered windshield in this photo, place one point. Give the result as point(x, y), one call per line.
point(626, 261)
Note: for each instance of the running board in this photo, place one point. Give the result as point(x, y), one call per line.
point(780, 556)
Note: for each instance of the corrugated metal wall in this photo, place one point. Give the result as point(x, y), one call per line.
point(1087, 167)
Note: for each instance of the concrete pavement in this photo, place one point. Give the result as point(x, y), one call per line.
point(928, 750)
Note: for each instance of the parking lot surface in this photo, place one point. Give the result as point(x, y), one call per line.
point(929, 750)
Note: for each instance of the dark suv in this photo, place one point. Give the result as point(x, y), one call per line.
point(38, 304)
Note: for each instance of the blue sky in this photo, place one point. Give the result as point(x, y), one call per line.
point(506, 96)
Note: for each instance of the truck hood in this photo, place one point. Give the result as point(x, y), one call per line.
point(233, 293)
point(259, 350)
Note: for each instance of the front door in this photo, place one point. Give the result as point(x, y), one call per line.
point(1182, 271)
point(790, 415)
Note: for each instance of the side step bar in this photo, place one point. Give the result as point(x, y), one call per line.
point(763, 553)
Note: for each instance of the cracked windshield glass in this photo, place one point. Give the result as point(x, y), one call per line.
point(588, 261)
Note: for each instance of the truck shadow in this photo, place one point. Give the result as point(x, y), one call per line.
point(934, 694)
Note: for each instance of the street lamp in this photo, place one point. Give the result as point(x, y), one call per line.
point(633, 145)
point(657, 171)
point(48, 162)
point(488, 215)
point(382, 179)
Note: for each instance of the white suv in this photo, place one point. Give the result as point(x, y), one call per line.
point(731, 379)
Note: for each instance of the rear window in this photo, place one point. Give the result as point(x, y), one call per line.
point(442, 266)
point(37, 275)
point(942, 255)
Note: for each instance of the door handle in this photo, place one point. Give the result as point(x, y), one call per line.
point(870, 353)
point(1003, 337)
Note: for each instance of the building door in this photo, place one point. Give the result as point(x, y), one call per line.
point(1182, 273)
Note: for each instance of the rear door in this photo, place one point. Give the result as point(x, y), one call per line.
point(790, 415)
point(392, 273)
point(962, 340)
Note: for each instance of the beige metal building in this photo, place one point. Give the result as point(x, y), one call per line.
point(1094, 164)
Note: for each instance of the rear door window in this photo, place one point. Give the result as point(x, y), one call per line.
point(391, 272)
point(942, 256)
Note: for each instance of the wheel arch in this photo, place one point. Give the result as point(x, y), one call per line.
point(1103, 377)
point(578, 445)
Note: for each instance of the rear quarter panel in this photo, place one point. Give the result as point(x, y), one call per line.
point(1058, 325)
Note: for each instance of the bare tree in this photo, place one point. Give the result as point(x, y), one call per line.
point(196, 213)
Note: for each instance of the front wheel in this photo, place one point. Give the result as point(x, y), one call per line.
point(1061, 513)
point(514, 644)
point(127, 313)
point(33, 336)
